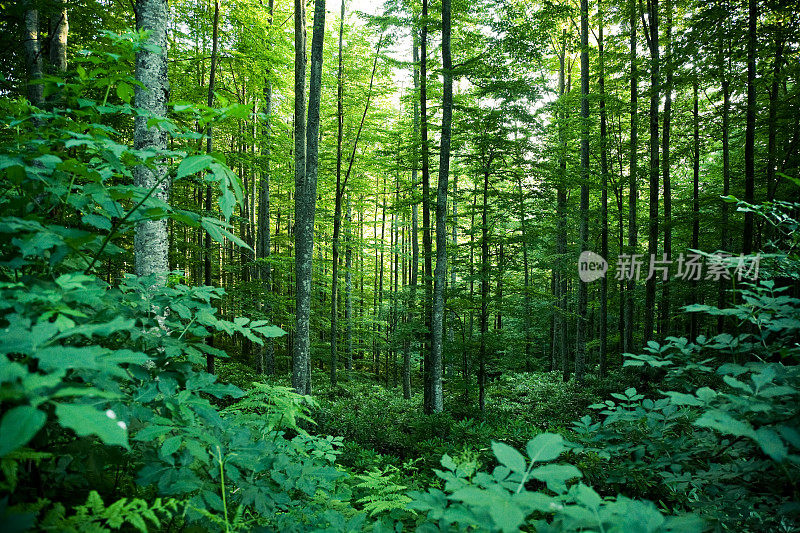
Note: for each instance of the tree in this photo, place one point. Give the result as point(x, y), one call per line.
point(263, 248)
point(580, 340)
point(304, 220)
point(651, 35)
point(151, 240)
point(750, 128)
point(441, 213)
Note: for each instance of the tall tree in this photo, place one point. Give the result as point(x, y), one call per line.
point(263, 252)
point(151, 240)
point(33, 56)
point(651, 34)
point(209, 148)
point(427, 245)
point(604, 192)
point(59, 30)
point(441, 214)
point(750, 128)
point(339, 193)
point(664, 311)
point(304, 221)
point(633, 193)
point(580, 340)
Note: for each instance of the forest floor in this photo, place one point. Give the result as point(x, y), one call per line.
point(383, 431)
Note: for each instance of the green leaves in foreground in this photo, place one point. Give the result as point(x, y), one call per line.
point(504, 501)
point(19, 425)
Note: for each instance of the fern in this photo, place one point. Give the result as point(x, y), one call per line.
point(384, 494)
point(94, 516)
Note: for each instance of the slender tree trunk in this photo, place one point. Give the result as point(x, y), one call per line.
point(484, 292)
point(780, 43)
point(603, 198)
point(414, 230)
point(348, 281)
point(695, 198)
point(441, 215)
point(526, 297)
point(59, 30)
point(633, 171)
point(337, 214)
point(304, 225)
point(427, 245)
point(263, 251)
point(726, 169)
point(581, 331)
point(209, 148)
point(151, 239)
point(750, 129)
point(33, 54)
point(561, 219)
point(655, 93)
point(664, 328)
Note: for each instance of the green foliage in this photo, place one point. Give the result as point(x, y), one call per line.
point(503, 500)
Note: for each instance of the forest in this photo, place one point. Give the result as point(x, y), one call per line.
point(412, 265)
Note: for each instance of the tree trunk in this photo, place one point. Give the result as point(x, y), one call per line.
point(695, 200)
point(339, 193)
point(412, 304)
point(59, 30)
point(561, 220)
point(603, 198)
point(209, 147)
point(651, 31)
point(426, 213)
point(633, 170)
point(263, 252)
point(750, 129)
point(33, 54)
point(441, 215)
point(484, 292)
point(581, 331)
point(664, 312)
point(151, 238)
point(780, 43)
point(348, 282)
point(304, 202)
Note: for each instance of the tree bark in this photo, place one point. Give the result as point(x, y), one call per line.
point(750, 129)
point(304, 203)
point(151, 238)
point(632, 189)
point(33, 54)
point(651, 31)
point(484, 292)
point(664, 311)
point(59, 30)
point(441, 214)
point(581, 331)
point(427, 245)
point(338, 195)
point(263, 251)
point(603, 197)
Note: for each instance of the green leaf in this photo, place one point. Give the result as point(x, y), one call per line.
point(545, 447)
point(170, 446)
point(507, 516)
point(18, 427)
point(555, 476)
point(193, 164)
point(86, 420)
point(724, 423)
point(771, 444)
point(509, 457)
point(125, 92)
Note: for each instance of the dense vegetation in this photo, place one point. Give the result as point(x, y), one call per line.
point(216, 313)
